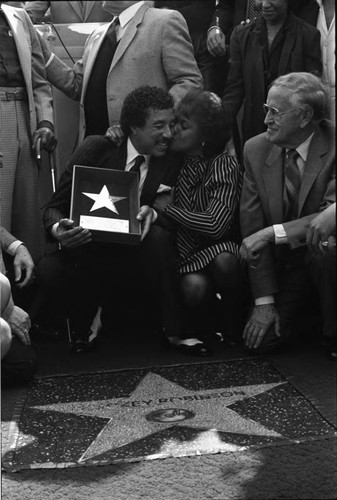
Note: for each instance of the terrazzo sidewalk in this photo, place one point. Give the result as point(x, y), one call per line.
point(298, 470)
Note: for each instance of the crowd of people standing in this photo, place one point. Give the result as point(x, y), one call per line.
point(226, 112)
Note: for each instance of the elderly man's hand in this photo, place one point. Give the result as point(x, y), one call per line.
point(261, 319)
point(322, 231)
point(216, 42)
point(147, 216)
point(23, 266)
point(70, 236)
point(252, 245)
point(115, 134)
point(47, 137)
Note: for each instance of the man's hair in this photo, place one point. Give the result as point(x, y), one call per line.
point(205, 108)
point(306, 90)
point(138, 104)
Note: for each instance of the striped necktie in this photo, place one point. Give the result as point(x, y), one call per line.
point(292, 185)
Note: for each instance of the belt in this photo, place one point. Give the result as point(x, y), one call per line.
point(20, 95)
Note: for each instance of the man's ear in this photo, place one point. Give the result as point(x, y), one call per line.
point(133, 130)
point(307, 116)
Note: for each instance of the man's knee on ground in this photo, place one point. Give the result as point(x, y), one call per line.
point(5, 295)
point(5, 337)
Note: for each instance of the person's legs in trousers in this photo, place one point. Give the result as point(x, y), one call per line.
point(294, 288)
point(158, 257)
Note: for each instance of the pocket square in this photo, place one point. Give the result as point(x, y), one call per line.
point(163, 188)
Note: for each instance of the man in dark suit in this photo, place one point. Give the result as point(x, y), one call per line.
point(95, 270)
point(289, 178)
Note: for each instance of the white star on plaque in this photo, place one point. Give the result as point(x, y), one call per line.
point(104, 200)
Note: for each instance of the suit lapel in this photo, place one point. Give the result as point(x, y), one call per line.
point(115, 158)
point(95, 46)
point(21, 42)
point(129, 34)
point(273, 181)
point(317, 150)
point(288, 45)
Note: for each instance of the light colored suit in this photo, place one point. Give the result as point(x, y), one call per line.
point(155, 50)
point(19, 177)
point(262, 197)
point(32, 65)
point(68, 12)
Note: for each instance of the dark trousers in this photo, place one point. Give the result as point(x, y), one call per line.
point(300, 276)
point(78, 281)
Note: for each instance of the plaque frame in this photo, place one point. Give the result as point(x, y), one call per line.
point(119, 183)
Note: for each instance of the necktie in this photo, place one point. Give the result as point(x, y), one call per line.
point(292, 184)
point(111, 34)
point(252, 12)
point(139, 160)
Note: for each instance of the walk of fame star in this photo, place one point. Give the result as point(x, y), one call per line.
point(126, 417)
point(104, 200)
point(146, 414)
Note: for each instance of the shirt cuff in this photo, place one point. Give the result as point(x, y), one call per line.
point(215, 26)
point(13, 247)
point(262, 301)
point(154, 216)
point(45, 123)
point(54, 229)
point(280, 235)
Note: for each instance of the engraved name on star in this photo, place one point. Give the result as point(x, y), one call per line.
point(104, 200)
point(127, 415)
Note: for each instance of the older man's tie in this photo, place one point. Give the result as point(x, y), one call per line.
point(292, 185)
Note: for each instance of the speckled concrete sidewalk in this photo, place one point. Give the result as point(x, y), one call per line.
point(300, 471)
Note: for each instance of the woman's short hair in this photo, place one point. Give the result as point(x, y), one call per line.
point(205, 108)
point(138, 104)
point(306, 90)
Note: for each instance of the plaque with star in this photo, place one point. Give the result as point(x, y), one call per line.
point(107, 203)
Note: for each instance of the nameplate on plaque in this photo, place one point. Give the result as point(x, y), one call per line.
point(106, 202)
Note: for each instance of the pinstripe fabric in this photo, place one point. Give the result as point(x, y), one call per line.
point(19, 189)
point(206, 199)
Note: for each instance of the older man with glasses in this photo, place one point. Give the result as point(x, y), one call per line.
point(289, 179)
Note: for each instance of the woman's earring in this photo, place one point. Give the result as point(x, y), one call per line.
point(203, 144)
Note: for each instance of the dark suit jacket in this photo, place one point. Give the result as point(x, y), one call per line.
point(262, 196)
point(246, 80)
point(97, 151)
point(230, 13)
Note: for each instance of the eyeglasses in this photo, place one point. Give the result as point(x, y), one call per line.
point(275, 113)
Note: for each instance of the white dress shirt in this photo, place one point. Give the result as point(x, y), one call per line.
point(131, 156)
point(125, 17)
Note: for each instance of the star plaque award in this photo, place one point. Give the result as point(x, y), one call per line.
point(107, 203)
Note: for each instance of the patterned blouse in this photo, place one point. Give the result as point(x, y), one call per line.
point(207, 196)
